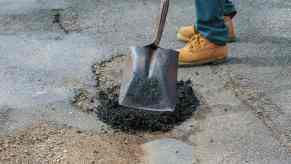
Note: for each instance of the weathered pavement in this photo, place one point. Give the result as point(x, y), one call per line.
point(245, 116)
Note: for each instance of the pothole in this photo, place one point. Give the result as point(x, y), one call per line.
point(108, 78)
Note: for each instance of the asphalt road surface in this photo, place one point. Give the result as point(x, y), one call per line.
point(47, 49)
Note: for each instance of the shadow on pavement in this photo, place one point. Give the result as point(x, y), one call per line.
point(281, 45)
point(256, 61)
point(259, 39)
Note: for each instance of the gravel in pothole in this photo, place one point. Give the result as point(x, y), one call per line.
point(108, 77)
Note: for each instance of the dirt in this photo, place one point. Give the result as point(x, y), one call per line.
point(45, 144)
point(108, 78)
point(82, 100)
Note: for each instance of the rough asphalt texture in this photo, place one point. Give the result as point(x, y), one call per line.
point(246, 113)
point(168, 151)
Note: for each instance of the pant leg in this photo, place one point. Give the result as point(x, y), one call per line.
point(210, 22)
point(229, 9)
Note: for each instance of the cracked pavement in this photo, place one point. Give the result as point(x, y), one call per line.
point(47, 49)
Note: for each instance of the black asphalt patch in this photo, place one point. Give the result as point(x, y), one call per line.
point(129, 119)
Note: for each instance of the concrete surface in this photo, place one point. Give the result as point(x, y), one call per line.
point(245, 111)
point(168, 151)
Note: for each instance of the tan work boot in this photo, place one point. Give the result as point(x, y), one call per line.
point(200, 51)
point(185, 33)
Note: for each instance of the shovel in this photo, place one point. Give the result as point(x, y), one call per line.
point(150, 74)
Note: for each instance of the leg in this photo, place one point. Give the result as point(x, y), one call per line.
point(229, 13)
point(229, 9)
point(210, 20)
point(209, 37)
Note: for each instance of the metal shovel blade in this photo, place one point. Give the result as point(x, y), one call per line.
point(149, 79)
point(150, 74)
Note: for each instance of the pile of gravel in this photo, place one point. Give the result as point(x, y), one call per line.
point(108, 77)
point(128, 119)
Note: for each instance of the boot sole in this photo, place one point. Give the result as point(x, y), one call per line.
point(204, 62)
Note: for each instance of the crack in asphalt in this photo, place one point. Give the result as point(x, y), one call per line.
point(57, 20)
point(256, 103)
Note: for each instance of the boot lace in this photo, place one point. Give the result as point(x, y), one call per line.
point(196, 42)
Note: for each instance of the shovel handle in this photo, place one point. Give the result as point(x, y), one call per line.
point(161, 21)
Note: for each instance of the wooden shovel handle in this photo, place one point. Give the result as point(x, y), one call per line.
point(161, 21)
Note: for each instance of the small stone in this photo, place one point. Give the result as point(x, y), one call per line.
point(60, 142)
point(12, 155)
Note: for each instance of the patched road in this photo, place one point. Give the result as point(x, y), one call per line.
point(47, 49)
